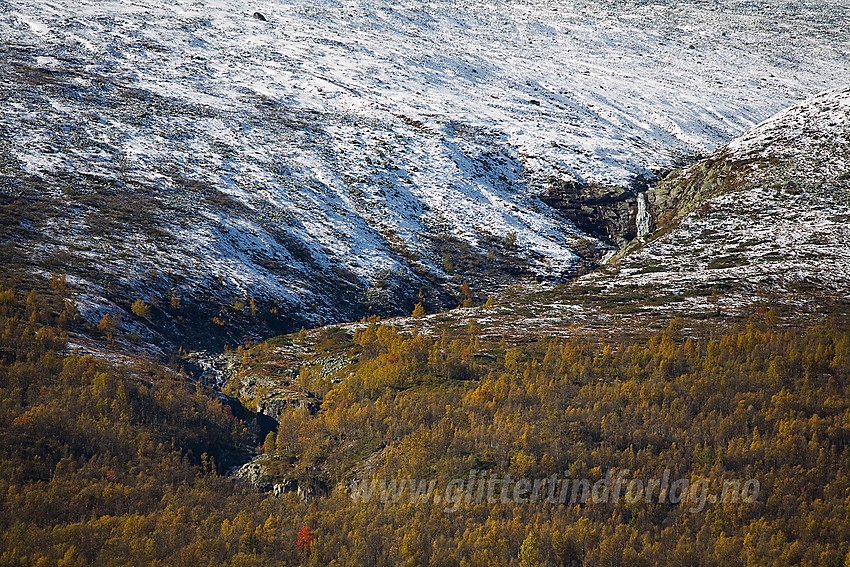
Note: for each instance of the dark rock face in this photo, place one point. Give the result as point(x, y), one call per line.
point(274, 406)
point(286, 485)
point(619, 215)
point(605, 212)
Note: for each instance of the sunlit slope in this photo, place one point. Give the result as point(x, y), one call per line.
point(329, 159)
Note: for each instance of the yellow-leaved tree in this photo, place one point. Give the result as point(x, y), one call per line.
point(418, 311)
point(528, 551)
point(141, 309)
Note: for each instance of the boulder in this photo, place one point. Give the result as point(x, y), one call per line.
point(254, 473)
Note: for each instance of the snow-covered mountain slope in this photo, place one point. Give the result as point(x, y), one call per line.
point(780, 220)
point(805, 147)
point(330, 158)
point(775, 235)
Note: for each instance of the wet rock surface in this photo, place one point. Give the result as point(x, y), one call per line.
point(606, 212)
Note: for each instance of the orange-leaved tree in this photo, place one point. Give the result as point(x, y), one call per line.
point(305, 540)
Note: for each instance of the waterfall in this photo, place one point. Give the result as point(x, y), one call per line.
point(643, 220)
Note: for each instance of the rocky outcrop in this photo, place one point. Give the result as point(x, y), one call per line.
point(275, 405)
point(253, 473)
point(324, 366)
point(286, 485)
point(686, 190)
point(803, 148)
point(606, 212)
point(622, 216)
point(215, 369)
point(277, 389)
